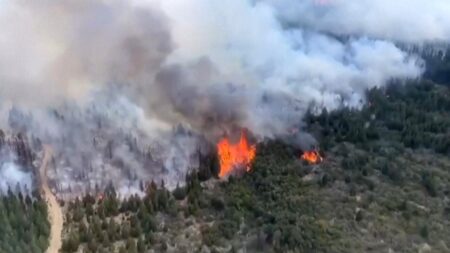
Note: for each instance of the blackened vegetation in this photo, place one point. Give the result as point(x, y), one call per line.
point(208, 167)
point(18, 148)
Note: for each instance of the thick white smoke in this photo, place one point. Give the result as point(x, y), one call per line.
point(407, 21)
point(14, 179)
point(126, 90)
point(249, 47)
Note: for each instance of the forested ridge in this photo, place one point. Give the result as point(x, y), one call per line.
point(383, 186)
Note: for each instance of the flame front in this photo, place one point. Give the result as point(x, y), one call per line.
point(235, 155)
point(312, 157)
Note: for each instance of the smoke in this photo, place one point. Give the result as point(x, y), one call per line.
point(407, 21)
point(273, 74)
point(134, 90)
point(12, 177)
point(54, 51)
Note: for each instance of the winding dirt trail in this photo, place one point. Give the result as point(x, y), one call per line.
point(55, 214)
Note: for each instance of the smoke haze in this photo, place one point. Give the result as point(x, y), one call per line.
point(132, 90)
point(11, 177)
point(408, 21)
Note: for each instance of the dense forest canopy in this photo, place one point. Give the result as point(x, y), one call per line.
point(438, 67)
point(24, 226)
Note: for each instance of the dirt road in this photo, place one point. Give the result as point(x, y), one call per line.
point(55, 214)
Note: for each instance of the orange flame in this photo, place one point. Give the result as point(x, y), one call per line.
point(235, 155)
point(312, 157)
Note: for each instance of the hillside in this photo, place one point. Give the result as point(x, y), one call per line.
point(272, 126)
point(383, 187)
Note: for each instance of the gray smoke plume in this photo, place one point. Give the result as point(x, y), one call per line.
point(133, 90)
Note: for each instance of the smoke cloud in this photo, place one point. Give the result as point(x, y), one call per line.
point(12, 177)
point(273, 74)
point(407, 21)
point(134, 90)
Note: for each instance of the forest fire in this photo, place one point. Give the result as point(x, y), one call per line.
point(312, 157)
point(234, 156)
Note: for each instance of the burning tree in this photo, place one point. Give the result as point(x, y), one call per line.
point(233, 156)
point(312, 157)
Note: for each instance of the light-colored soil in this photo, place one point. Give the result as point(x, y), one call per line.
point(55, 214)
